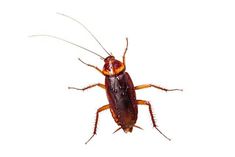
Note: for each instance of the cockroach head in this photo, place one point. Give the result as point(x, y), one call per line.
point(109, 58)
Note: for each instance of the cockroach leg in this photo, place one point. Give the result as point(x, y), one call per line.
point(91, 65)
point(158, 87)
point(144, 102)
point(85, 88)
point(105, 107)
point(124, 54)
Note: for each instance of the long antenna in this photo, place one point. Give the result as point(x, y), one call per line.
point(87, 31)
point(51, 36)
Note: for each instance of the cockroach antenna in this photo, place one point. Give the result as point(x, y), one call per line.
point(86, 30)
point(58, 38)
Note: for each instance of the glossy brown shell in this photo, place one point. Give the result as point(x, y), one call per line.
point(122, 99)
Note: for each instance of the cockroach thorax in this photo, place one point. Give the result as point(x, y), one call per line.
point(112, 66)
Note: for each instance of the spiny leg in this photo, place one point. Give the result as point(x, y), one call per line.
point(91, 65)
point(158, 87)
point(105, 107)
point(85, 88)
point(144, 102)
point(124, 54)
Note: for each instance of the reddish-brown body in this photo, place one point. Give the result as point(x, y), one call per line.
point(122, 100)
point(120, 92)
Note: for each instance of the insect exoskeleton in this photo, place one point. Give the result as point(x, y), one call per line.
point(112, 66)
point(119, 88)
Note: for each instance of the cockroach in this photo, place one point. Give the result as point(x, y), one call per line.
point(120, 90)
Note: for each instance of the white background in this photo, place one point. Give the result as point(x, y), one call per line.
point(175, 44)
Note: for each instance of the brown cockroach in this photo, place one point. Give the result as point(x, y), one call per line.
point(119, 88)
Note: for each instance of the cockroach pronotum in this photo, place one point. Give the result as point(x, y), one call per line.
point(119, 88)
